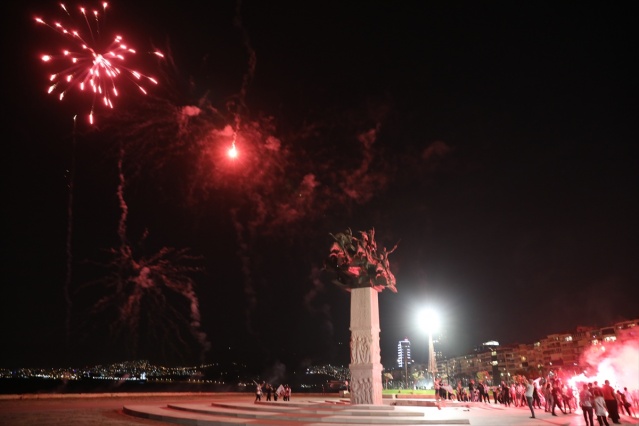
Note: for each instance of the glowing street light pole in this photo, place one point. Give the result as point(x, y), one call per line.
point(432, 363)
point(430, 322)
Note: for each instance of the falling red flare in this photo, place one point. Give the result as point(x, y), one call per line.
point(232, 151)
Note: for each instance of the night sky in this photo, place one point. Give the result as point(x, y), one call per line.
point(494, 142)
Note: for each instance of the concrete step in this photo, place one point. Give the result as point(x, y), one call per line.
point(306, 412)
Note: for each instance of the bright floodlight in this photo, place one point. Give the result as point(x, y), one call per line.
point(429, 320)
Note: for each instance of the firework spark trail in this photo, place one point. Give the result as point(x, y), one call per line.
point(240, 108)
point(360, 184)
point(92, 67)
point(244, 254)
point(141, 287)
point(318, 309)
point(125, 250)
point(69, 241)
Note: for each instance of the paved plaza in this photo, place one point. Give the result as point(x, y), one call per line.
point(239, 409)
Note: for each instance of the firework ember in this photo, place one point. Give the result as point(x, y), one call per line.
point(232, 152)
point(90, 64)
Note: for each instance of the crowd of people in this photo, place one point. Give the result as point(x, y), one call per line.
point(282, 391)
point(553, 394)
point(605, 402)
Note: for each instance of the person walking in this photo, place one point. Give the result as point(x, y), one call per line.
point(622, 402)
point(627, 397)
point(548, 398)
point(505, 394)
point(287, 393)
point(438, 385)
point(258, 392)
point(480, 391)
point(556, 395)
point(568, 397)
point(530, 388)
point(536, 399)
point(513, 395)
point(611, 402)
point(458, 390)
point(600, 408)
point(269, 391)
point(486, 397)
point(585, 401)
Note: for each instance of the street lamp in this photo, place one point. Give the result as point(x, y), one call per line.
point(430, 322)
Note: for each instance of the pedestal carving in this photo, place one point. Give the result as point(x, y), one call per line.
point(366, 369)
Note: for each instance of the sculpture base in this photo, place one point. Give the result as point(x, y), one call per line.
point(366, 384)
point(365, 366)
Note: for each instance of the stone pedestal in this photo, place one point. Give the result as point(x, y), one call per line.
point(366, 369)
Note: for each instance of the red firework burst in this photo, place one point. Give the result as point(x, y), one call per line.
point(90, 64)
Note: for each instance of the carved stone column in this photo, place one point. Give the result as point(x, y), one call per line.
point(366, 368)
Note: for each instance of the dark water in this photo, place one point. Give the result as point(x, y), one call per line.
point(35, 386)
